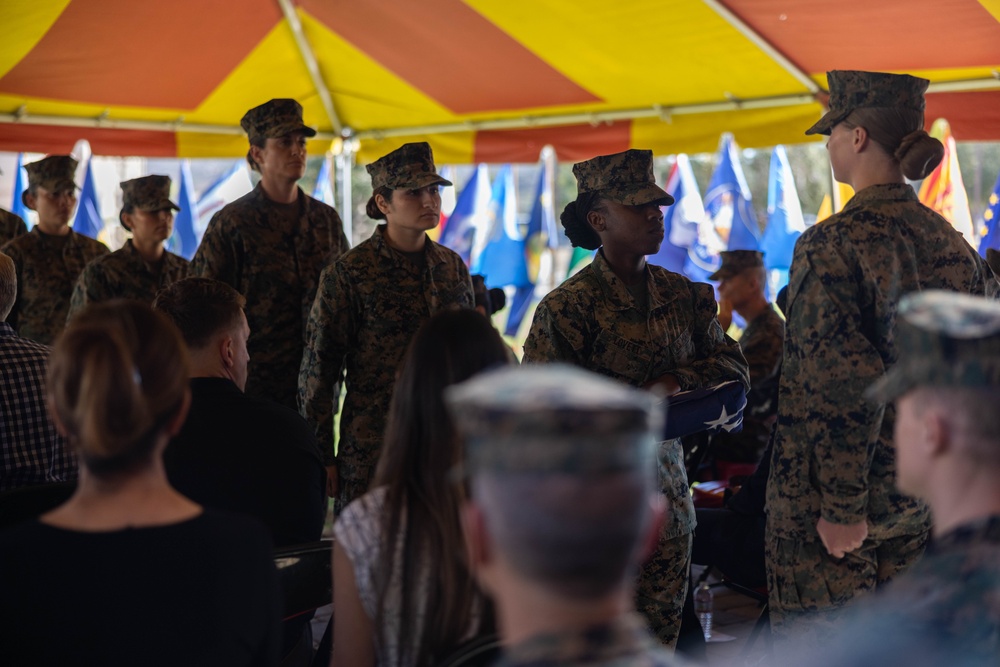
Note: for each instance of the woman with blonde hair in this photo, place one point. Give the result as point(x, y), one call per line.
point(129, 571)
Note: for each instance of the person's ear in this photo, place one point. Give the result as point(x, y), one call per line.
point(255, 153)
point(227, 351)
point(126, 219)
point(29, 200)
point(936, 437)
point(382, 203)
point(859, 138)
point(597, 220)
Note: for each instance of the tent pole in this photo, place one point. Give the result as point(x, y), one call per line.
point(345, 160)
point(309, 58)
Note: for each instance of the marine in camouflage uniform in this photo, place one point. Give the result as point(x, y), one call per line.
point(274, 260)
point(762, 342)
point(48, 264)
point(833, 453)
point(369, 305)
point(592, 320)
point(11, 225)
point(125, 274)
point(526, 430)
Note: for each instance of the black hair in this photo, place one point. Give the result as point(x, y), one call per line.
point(574, 220)
point(372, 209)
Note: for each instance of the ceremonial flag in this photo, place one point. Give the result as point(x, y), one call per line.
point(471, 213)
point(541, 234)
point(728, 201)
point(447, 201)
point(680, 220)
point(20, 185)
point(784, 219)
point(184, 240)
point(990, 233)
point(323, 190)
point(943, 190)
point(502, 261)
point(581, 257)
point(230, 186)
point(707, 409)
point(88, 220)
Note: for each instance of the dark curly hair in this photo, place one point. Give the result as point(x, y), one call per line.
point(574, 220)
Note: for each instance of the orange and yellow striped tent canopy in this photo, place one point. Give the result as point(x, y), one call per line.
point(482, 80)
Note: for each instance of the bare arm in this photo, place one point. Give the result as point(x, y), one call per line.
point(352, 629)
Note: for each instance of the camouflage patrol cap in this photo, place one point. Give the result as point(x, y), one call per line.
point(410, 166)
point(850, 90)
point(735, 262)
point(274, 119)
point(148, 193)
point(553, 418)
point(626, 178)
point(54, 173)
point(944, 339)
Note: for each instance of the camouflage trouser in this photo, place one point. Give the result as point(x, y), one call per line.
point(663, 583)
point(355, 477)
point(808, 588)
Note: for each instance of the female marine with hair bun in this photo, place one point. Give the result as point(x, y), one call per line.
point(642, 325)
point(129, 571)
point(833, 509)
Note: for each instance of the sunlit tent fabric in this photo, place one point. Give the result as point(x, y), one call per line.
point(481, 80)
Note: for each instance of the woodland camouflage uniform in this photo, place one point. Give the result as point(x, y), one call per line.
point(592, 321)
point(369, 305)
point(124, 274)
point(48, 266)
point(275, 265)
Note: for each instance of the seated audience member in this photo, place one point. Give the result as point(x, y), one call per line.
point(235, 452)
point(742, 284)
point(564, 508)
point(141, 267)
point(51, 256)
point(402, 590)
point(129, 571)
point(31, 450)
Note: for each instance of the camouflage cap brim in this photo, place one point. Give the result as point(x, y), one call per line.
point(422, 181)
point(288, 128)
point(723, 273)
point(829, 121)
point(639, 194)
point(890, 386)
point(160, 206)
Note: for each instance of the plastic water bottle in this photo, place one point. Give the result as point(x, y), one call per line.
point(703, 608)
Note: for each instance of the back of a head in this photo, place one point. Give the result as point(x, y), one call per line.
point(116, 376)
point(201, 308)
point(900, 133)
point(562, 465)
point(450, 347)
point(8, 285)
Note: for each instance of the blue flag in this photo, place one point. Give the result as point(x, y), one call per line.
point(728, 201)
point(502, 261)
point(542, 233)
point(470, 214)
point(184, 240)
point(681, 220)
point(88, 220)
point(710, 409)
point(20, 185)
point(784, 218)
point(323, 191)
point(991, 235)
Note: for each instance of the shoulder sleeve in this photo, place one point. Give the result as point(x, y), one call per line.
point(357, 532)
point(717, 356)
point(558, 331)
point(836, 363)
point(762, 347)
point(329, 334)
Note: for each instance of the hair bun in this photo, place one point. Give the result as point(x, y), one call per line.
point(578, 230)
point(919, 154)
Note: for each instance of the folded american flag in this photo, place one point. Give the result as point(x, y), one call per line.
point(711, 409)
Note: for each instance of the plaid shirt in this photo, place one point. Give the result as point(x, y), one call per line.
point(31, 451)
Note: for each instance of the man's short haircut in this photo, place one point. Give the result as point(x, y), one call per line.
point(201, 308)
point(973, 416)
point(8, 285)
point(580, 536)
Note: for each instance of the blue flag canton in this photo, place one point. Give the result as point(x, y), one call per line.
point(990, 233)
point(709, 409)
